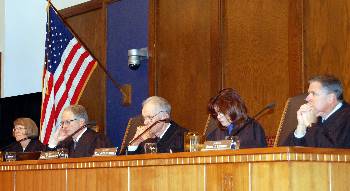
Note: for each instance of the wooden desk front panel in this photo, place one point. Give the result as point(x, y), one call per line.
point(97, 179)
point(290, 169)
point(340, 176)
point(6, 180)
point(233, 176)
point(53, 180)
point(178, 177)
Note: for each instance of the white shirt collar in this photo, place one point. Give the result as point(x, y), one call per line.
point(334, 110)
point(81, 134)
point(164, 131)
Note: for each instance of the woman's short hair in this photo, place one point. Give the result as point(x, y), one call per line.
point(230, 103)
point(31, 130)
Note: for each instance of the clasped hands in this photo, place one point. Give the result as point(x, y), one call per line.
point(306, 115)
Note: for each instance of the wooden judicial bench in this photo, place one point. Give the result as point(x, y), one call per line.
point(276, 169)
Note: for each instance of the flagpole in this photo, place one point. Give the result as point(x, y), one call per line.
point(125, 89)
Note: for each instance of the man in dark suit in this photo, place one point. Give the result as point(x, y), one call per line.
point(74, 135)
point(324, 121)
point(165, 133)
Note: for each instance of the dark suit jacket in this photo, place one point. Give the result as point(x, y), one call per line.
point(33, 146)
point(332, 133)
point(88, 142)
point(173, 140)
point(251, 135)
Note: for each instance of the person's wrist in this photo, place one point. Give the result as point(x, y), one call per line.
point(300, 131)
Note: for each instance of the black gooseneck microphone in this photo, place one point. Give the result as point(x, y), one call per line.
point(149, 128)
point(92, 123)
point(267, 107)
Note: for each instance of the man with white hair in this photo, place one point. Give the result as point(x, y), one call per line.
point(74, 135)
point(165, 133)
point(324, 121)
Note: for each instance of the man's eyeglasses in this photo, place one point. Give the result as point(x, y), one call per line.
point(152, 117)
point(67, 122)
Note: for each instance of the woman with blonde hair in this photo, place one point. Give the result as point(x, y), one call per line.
point(25, 132)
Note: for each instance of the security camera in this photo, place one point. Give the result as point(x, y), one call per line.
point(134, 62)
point(135, 56)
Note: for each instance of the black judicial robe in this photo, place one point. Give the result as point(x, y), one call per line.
point(33, 146)
point(85, 147)
point(251, 135)
point(332, 133)
point(173, 139)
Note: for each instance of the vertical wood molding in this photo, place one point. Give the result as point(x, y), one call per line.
point(295, 48)
point(152, 42)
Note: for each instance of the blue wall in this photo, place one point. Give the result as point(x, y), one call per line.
point(127, 29)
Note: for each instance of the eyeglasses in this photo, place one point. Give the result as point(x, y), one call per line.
point(217, 114)
point(67, 122)
point(18, 128)
point(151, 117)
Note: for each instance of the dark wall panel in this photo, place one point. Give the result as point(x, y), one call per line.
point(127, 29)
point(11, 108)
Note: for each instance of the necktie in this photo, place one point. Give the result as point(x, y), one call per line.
point(230, 128)
point(75, 144)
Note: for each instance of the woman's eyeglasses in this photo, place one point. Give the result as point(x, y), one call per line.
point(18, 128)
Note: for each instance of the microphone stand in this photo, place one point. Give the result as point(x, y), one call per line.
point(74, 133)
point(267, 107)
point(149, 128)
point(145, 131)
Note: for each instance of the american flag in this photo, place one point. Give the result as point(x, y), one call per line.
point(67, 69)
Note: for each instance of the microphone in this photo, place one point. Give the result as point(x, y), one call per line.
point(267, 107)
point(149, 128)
point(92, 123)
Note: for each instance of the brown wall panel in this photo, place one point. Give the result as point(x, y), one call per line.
point(255, 55)
point(90, 26)
point(186, 65)
point(203, 46)
point(326, 39)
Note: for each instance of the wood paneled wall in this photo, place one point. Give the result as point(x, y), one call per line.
point(255, 39)
point(185, 62)
point(327, 39)
point(265, 49)
point(88, 21)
